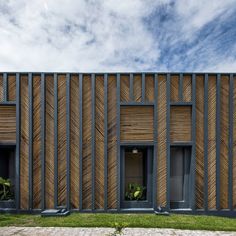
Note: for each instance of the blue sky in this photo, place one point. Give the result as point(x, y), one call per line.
point(125, 35)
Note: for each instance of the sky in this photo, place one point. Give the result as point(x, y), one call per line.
point(118, 36)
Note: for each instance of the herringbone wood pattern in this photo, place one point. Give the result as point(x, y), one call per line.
point(61, 140)
point(161, 144)
point(24, 145)
point(212, 142)
point(87, 144)
point(49, 142)
point(36, 142)
point(99, 140)
point(200, 142)
point(112, 142)
point(224, 146)
point(74, 141)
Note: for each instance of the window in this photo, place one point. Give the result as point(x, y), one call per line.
point(180, 176)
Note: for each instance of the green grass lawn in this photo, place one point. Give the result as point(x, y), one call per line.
point(122, 220)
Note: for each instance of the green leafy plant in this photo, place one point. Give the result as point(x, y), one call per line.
point(135, 192)
point(5, 189)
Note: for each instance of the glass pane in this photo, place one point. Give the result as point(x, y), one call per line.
point(135, 175)
point(176, 174)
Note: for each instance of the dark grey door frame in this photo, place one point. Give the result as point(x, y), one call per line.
point(137, 204)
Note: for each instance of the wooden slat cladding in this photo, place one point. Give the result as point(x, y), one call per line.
point(1, 87)
point(74, 141)
point(180, 123)
point(187, 88)
point(137, 88)
point(87, 132)
point(49, 143)
point(11, 88)
point(112, 147)
point(234, 145)
point(136, 123)
point(124, 88)
point(149, 88)
point(161, 145)
point(212, 142)
point(24, 145)
point(174, 88)
point(99, 142)
point(200, 142)
point(224, 146)
point(8, 124)
point(36, 142)
point(62, 140)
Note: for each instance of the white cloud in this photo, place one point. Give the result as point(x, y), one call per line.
point(107, 35)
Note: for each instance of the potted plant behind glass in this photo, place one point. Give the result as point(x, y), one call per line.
point(6, 194)
point(135, 193)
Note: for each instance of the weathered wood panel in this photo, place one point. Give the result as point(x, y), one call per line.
point(36, 142)
point(124, 88)
point(199, 142)
point(1, 87)
point(99, 148)
point(7, 124)
point(61, 140)
point(212, 142)
point(180, 123)
point(234, 145)
point(24, 145)
point(49, 143)
point(174, 88)
point(74, 141)
point(161, 144)
point(224, 145)
point(112, 145)
point(136, 123)
point(11, 90)
point(187, 88)
point(149, 88)
point(137, 88)
point(87, 142)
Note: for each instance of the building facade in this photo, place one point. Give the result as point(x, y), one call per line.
point(120, 142)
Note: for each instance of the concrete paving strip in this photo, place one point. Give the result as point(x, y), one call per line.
point(51, 231)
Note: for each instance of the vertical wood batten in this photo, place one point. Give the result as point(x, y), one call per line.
point(68, 140)
point(18, 121)
point(206, 142)
point(118, 138)
point(81, 142)
point(143, 87)
point(55, 142)
point(230, 143)
point(193, 204)
point(30, 91)
point(168, 142)
point(218, 133)
point(155, 142)
point(93, 141)
point(131, 87)
point(105, 142)
point(42, 141)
